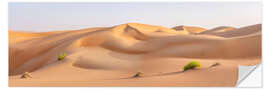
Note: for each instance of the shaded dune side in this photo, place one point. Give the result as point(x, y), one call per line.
point(122, 38)
point(119, 38)
point(132, 32)
point(150, 29)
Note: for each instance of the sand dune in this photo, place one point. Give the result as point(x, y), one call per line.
point(238, 32)
point(189, 29)
point(217, 30)
point(110, 56)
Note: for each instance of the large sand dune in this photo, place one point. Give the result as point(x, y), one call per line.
point(110, 56)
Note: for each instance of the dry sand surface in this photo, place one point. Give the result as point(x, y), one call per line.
point(111, 56)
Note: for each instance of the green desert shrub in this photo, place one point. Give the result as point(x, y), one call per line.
point(192, 65)
point(61, 57)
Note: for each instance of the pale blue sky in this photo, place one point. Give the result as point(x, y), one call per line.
point(40, 17)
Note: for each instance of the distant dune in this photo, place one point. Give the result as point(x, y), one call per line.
point(217, 30)
point(189, 29)
point(110, 56)
point(233, 32)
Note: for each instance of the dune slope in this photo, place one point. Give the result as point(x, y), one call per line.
point(217, 30)
point(189, 29)
point(230, 32)
point(110, 56)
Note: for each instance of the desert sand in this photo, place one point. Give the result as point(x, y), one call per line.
point(111, 56)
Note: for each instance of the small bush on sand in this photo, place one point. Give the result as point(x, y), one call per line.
point(61, 57)
point(215, 64)
point(138, 74)
point(192, 65)
point(26, 75)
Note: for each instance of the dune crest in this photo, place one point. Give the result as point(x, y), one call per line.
point(189, 29)
point(218, 30)
point(231, 32)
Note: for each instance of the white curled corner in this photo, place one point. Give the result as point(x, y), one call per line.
point(249, 76)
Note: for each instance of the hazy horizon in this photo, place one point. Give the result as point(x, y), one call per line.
point(41, 17)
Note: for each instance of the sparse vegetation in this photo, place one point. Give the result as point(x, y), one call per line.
point(138, 74)
point(61, 57)
point(192, 65)
point(26, 75)
point(215, 64)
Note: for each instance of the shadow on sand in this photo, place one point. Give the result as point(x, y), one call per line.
point(165, 74)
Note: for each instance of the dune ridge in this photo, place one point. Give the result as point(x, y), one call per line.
point(216, 30)
point(189, 29)
point(237, 32)
point(121, 50)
